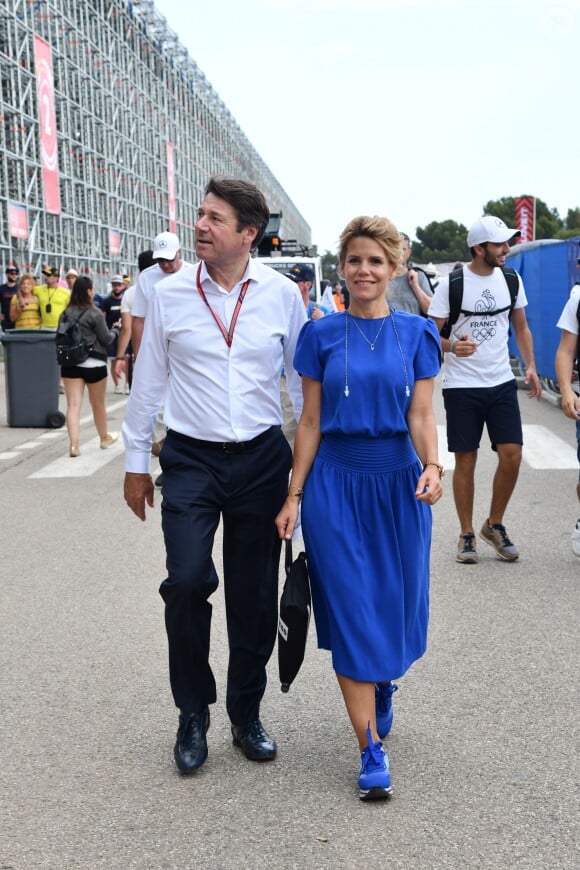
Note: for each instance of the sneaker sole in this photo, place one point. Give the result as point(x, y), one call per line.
point(497, 552)
point(467, 560)
point(377, 793)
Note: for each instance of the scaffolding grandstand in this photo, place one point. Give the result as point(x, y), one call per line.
point(109, 133)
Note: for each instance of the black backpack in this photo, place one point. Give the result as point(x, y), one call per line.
point(456, 297)
point(71, 347)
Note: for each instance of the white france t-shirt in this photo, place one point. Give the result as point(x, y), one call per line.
point(490, 365)
point(568, 319)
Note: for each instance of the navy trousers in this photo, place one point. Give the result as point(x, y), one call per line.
point(201, 483)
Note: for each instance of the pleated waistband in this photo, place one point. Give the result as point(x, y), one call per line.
point(368, 454)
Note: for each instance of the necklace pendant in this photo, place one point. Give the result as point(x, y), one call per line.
point(372, 347)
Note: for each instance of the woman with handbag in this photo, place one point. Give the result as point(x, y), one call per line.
point(365, 459)
point(93, 371)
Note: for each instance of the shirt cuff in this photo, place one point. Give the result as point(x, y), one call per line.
point(137, 462)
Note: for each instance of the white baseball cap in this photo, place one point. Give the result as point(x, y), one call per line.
point(72, 272)
point(165, 246)
point(489, 229)
point(117, 279)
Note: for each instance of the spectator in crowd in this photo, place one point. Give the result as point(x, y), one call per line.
point(479, 387)
point(111, 308)
point(341, 296)
point(215, 340)
point(24, 305)
point(93, 372)
point(70, 277)
point(365, 461)
point(303, 277)
point(566, 356)
point(53, 298)
point(409, 290)
point(7, 291)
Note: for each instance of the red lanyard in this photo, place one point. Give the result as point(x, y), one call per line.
point(227, 334)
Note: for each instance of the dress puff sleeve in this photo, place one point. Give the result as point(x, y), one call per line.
point(427, 360)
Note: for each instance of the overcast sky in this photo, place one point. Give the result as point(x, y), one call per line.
point(420, 110)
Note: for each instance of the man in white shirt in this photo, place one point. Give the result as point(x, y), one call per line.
point(478, 384)
point(167, 253)
point(566, 355)
point(214, 343)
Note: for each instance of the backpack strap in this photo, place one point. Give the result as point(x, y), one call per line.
point(455, 300)
point(512, 280)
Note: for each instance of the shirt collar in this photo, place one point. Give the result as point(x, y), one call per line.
point(249, 275)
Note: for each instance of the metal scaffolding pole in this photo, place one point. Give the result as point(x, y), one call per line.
point(128, 101)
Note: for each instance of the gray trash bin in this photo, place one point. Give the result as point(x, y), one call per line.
point(32, 378)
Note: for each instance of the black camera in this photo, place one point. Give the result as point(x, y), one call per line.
point(48, 308)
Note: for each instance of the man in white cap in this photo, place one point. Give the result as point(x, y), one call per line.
point(70, 277)
point(479, 387)
point(167, 253)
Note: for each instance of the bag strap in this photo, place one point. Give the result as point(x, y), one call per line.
point(288, 557)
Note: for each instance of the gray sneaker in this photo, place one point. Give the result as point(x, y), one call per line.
point(466, 551)
point(497, 537)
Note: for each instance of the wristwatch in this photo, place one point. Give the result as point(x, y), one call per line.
point(439, 467)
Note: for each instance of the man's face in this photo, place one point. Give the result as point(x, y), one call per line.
point(117, 288)
point(70, 280)
point(494, 254)
point(51, 281)
point(170, 267)
point(217, 238)
point(304, 287)
point(11, 276)
point(405, 251)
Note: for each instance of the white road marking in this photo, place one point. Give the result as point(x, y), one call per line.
point(29, 445)
point(8, 455)
point(543, 449)
point(92, 459)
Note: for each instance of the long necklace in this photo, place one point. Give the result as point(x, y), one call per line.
point(372, 344)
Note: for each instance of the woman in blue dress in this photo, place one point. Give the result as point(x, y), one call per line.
point(366, 463)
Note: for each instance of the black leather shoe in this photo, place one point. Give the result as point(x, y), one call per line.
point(190, 749)
point(254, 741)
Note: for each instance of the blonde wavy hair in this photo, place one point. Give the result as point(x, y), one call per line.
point(380, 229)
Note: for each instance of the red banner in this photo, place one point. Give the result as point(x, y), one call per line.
point(171, 187)
point(525, 218)
point(17, 221)
point(47, 122)
point(114, 243)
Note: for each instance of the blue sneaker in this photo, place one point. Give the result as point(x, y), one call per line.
point(383, 701)
point(374, 780)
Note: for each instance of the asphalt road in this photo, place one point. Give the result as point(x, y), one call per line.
point(484, 745)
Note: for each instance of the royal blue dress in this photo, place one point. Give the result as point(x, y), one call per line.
point(367, 537)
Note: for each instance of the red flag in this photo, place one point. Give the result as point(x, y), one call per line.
point(47, 122)
point(525, 218)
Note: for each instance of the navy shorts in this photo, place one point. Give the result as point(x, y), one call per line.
point(468, 409)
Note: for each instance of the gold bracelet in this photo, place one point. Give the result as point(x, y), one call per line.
point(437, 465)
point(298, 493)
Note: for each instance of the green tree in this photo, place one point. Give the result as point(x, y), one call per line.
point(548, 221)
point(440, 242)
point(330, 266)
point(572, 221)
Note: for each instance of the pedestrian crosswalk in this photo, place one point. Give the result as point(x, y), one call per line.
point(543, 450)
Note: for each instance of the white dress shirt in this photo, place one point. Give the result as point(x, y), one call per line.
point(214, 392)
point(145, 288)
